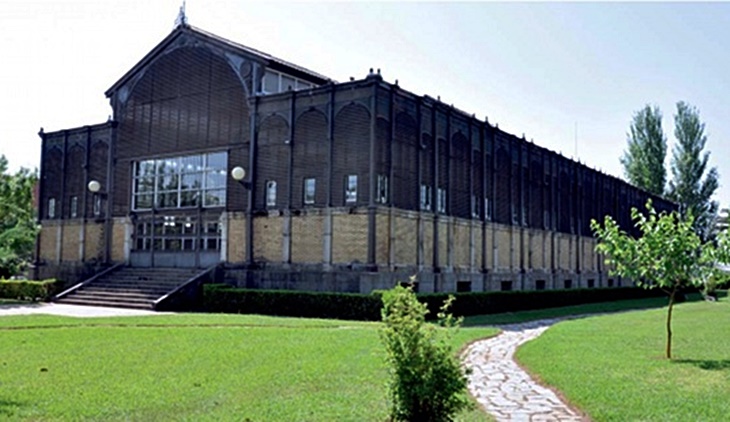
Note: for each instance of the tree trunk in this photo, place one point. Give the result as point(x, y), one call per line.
point(669, 322)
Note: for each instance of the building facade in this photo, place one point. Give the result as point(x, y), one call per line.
point(218, 154)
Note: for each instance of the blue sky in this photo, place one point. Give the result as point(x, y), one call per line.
point(557, 72)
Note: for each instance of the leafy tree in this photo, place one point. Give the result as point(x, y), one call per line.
point(647, 149)
point(427, 382)
point(689, 165)
point(669, 255)
point(18, 226)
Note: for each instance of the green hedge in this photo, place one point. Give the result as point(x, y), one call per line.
point(223, 298)
point(29, 290)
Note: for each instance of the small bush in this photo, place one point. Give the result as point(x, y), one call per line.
point(427, 381)
point(29, 290)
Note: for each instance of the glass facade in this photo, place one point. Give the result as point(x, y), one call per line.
point(177, 233)
point(180, 182)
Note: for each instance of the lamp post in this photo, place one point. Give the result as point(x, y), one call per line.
point(94, 187)
point(238, 174)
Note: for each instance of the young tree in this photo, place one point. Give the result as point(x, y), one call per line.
point(669, 254)
point(18, 227)
point(643, 161)
point(427, 381)
point(689, 165)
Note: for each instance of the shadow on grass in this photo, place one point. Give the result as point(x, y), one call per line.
point(569, 311)
point(708, 365)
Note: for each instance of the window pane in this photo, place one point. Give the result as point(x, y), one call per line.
point(143, 201)
point(303, 85)
point(191, 163)
point(167, 166)
point(215, 198)
point(211, 227)
point(189, 226)
point(287, 82)
point(271, 82)
point(146, 168)
point(74, 206)
point(167, 200)
point(217, 161)
point(212, 244)
point(192, 181)
point(173, 244)
point(167, 182)
point(144, 184)
point(215, 180)
point(189, 198)
point(271, 193)
point(309, 189)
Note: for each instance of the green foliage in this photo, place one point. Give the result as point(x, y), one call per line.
point(29, 290)
point(669, 254)
point(689, 166)
point(427, 381)
point(18, 226)
point(647, 148)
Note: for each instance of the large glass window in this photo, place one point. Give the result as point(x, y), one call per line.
point(179, 182)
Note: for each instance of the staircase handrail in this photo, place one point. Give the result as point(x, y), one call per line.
point(87, 281)
point(190, 281)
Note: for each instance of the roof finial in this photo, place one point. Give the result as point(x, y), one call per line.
point(182, 19)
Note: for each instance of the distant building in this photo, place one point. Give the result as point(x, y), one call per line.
point(346, 186)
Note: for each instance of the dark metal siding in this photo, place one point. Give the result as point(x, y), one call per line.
point(188, 101)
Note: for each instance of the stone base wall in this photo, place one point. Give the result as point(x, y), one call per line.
point(359, 279)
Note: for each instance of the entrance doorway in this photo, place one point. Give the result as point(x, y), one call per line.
point(176, 240)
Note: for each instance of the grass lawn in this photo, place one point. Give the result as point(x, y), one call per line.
point(613, 366)
point(195, 367)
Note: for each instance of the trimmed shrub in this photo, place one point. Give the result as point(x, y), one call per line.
point(224, 298)
point(29, 290)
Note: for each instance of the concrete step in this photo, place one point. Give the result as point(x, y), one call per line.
point(134, 284)
point(70, 300)
point(121, 294)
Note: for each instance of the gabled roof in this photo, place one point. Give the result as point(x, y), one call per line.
point(223, 42)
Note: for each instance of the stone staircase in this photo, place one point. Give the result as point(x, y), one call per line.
point(128, 287)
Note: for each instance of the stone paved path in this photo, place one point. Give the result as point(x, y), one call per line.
point(503, 388)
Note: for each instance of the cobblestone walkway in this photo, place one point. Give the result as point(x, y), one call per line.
point(503, 388)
